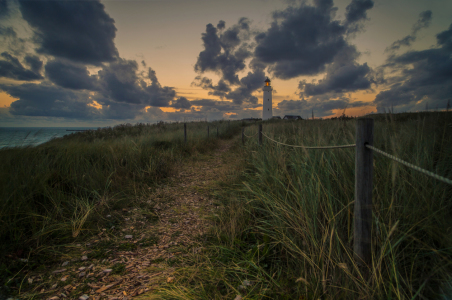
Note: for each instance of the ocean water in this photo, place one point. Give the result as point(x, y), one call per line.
point(33, 136)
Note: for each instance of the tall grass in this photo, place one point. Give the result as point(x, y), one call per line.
point(287, 225)
point(60, 191)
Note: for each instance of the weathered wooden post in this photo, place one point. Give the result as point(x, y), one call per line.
point(363, 192)
point(185, 133)
point(207, 131)
point(243, 135)
point(217, 132)
point(260, 134)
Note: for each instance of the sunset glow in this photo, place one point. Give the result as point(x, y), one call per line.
point(174, 60)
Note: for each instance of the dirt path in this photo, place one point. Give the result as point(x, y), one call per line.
point(145, 251)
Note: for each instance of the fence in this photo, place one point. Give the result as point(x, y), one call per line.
point(208, 131)
point(363, 183)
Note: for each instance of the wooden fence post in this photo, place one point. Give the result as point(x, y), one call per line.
point(363, 192)
point(243, 135)
point(185, 133)
point(207, 131)
point(217, 131)
point(260, 134)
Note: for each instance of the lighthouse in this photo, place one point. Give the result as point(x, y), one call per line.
point(267, 104)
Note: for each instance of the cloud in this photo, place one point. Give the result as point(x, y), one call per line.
point(343, 75)
point(181, 103)
point(10, 67)
point(219, 90)
point(424, 21)
point(48, 100)
point(221, 53)
point(300, 41)
point(221, 25)
point(9, 38)
point(225, 52)
point(248, 84)
point(214, 105)
point(426, 76)
point(34, 63)
point(80, 31)
point(70, 75)
point(357, 10)
point(120, 82)
point(4, 9)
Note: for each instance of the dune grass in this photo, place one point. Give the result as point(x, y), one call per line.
point(286, 230)
point(61, 191)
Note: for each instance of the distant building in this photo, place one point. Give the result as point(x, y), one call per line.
point(292, 117)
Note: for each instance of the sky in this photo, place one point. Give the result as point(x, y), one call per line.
point(108, 62)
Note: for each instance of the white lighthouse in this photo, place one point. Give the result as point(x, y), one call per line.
point(267, 112)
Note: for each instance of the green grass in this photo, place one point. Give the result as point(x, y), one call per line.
point(61, 191)
point(287, 225)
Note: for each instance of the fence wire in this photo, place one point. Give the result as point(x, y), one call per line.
point(250, 135)
point(295, 146)
point(443, 179)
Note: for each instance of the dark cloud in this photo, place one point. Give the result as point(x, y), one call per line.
point(424, 21)
point(426, 76)
point(221, 25)
point(301, 41)
point(292, 105)
point(220, 90)
point(70, 75)
point(9, 38)
point(48, 100)
point(77, 30)
point(120, 82)
point(7, 32)
point(221, 53)
point(4, 9)
point(34, 63)
point(445, 39)
point(248, 84)
point(10, 67)
point(343, 75)
point(181, 103)
point(357, 10)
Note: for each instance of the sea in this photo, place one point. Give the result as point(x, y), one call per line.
point(33, 136)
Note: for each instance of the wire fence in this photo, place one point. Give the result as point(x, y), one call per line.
point(295, 146)
point(363, 182)
point(431, 174)
point(250, 136)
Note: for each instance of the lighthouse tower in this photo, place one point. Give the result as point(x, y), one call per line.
point(267, 112)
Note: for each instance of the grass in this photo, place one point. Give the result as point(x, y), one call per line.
point(61, 192)
point(286, 230)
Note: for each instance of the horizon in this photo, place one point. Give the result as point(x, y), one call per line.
point(173, 61)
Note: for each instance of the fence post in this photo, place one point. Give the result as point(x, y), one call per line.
point(243, 135)
point(363, 192)
point(260, 134)
point(185, 133)
point(217, 131)
point(207, 131)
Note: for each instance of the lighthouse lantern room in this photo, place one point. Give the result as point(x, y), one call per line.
point(267, 104)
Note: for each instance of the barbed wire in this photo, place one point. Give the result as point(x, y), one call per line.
point(443, 179)
point(295, 146)
point(250, 135)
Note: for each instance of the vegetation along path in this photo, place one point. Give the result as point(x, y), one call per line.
point(150, 244)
